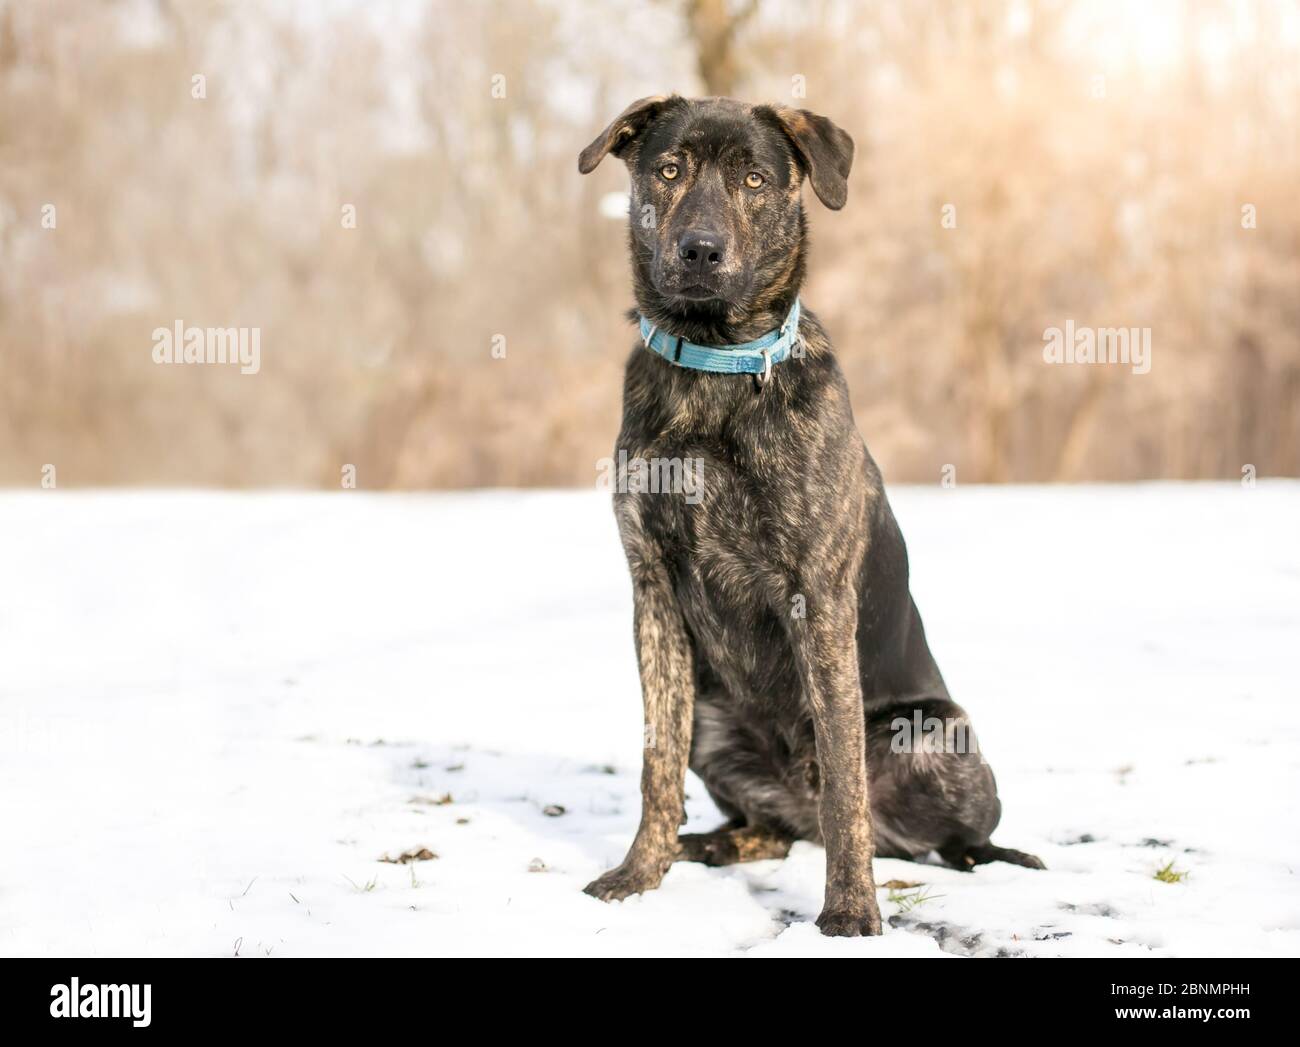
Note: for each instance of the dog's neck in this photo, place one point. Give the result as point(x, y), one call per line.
point(715, 322)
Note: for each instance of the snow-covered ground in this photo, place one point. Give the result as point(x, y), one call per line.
point(218, 711)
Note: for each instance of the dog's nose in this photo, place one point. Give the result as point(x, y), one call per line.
point(701, 251)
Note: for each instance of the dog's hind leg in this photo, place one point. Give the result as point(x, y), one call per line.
point(732, 844)
point(932, 791)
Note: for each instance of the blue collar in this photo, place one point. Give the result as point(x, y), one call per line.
point(756, 357)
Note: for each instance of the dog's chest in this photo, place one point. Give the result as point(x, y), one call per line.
point(722, 534)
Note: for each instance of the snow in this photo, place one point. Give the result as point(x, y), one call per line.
point(219, 710)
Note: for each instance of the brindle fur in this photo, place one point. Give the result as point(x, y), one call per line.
point(785, 716)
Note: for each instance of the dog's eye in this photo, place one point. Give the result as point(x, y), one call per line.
point(669, 171)
point(754, 180)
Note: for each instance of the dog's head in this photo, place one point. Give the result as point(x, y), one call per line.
point(716, 211)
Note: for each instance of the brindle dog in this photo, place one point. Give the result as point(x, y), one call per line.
point(777, 639)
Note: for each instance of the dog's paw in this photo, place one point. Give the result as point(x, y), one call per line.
point(841, 924)
point(623, 882)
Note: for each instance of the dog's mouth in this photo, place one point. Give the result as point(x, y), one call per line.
point(691, 288)
point(697, 292)
point(682, 287)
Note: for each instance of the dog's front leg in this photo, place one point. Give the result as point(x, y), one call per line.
point(826, 654)
point(668, 688)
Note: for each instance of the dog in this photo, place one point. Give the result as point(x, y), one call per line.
point(781, 654)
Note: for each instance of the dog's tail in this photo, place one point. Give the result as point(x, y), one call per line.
point(966, 858)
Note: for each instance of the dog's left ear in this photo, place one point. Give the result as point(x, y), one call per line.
point(825, 151)
point(626, 126)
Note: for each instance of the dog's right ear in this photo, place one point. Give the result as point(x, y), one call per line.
point(626, 126)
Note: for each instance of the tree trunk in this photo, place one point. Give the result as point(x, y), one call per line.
point(713, 28)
